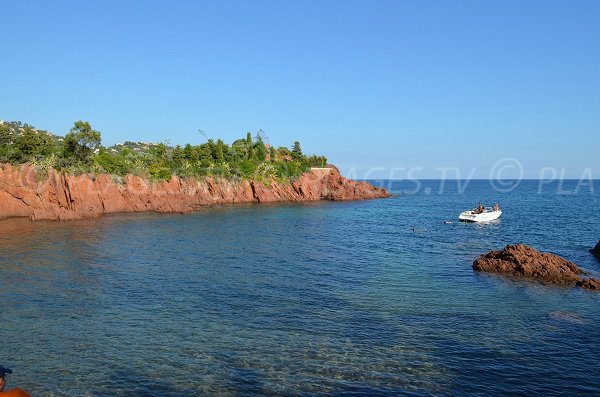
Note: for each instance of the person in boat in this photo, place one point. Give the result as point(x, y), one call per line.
point(3, 372)
point(496, 207)
point(12, 392)
point(480, 209)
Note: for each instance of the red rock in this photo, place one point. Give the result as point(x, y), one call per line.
point(56, 196)
point(13, 206)
point(596, 250)
point(590, 283)
point(522, 261)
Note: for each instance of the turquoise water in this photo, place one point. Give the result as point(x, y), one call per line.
point(330, 299)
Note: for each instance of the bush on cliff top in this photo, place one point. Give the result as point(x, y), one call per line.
point(80, 151)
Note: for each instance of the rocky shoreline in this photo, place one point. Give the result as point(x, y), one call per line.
point(596, 250)
point(57, 196)
point(523, 262)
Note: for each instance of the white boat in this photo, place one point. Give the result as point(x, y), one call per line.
point(476, 216)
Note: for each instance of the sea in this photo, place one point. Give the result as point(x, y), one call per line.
point(365, 298)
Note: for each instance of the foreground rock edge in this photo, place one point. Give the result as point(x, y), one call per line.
point(57, 196)
point(523, 262)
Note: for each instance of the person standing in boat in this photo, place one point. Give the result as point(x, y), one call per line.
point(13, 392)
point(3, 372)
point(480, 209)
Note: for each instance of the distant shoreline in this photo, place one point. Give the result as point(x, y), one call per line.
point(59, 196)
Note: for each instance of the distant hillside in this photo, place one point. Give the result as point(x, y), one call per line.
point(140, 147)
point(17, 128)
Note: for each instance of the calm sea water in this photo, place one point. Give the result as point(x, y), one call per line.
point(332, 299)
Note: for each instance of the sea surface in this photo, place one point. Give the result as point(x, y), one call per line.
point(371, 298)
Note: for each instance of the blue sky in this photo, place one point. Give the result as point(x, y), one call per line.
point(374, 85)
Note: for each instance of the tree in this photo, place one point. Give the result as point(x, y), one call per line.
point(297, 151)
point(81, 141)
point(160, 151)
point(250, 146)
point(213, 149)
point(260, 149)
point(316, 161)
point(283, 151)
point(178, 156)
point(204, 152)
point(239, 149)
point(220, 151)
point(189, 153)
point(5, 134)
point(113, 164)
point(30, 145)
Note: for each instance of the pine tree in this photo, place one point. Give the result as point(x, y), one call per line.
point(213, 149)
point(260, 149)
point(250, 146)
point(220, 155)
point(297, 151)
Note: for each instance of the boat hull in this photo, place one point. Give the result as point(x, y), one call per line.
point(470, 216)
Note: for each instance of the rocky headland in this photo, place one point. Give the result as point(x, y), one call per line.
point(52, 195)
point(523, 262)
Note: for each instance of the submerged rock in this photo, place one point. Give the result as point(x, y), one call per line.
point(596, 250)
point(522, 261)
point(566, 316)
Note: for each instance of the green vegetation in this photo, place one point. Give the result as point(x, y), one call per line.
point(80, 151)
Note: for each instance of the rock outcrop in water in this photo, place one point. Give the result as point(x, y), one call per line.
point(596, 250)
point(522, 261)
point(589, 283)
point(56, 196)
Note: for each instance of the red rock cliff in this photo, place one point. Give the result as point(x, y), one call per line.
point(56, 196)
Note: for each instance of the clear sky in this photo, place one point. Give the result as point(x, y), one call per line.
point(390, 84)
